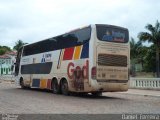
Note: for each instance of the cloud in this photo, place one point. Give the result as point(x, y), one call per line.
point(34, 20)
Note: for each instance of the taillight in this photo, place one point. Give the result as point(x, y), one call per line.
point(93, 72)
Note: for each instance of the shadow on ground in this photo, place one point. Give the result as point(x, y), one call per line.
point(86, 96)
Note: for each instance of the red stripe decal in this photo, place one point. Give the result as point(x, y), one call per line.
point(49, 84)
point(68, 53)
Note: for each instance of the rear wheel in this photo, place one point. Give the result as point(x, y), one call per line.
point(55, 87)
point(64, 87)
point(22, 83)
point(83, 94)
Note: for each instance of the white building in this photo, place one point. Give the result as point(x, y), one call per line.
point(6, 62)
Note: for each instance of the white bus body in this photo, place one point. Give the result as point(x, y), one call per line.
point(98, 64)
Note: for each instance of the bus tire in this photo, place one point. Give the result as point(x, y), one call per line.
point(83, 94)
point(97, 94)
point(64, 87)
point(55, 86)
point(22, 83)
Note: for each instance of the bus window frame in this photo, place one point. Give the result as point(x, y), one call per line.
point(59, 45)
point(113, 27)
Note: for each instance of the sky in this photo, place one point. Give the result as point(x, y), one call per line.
point(35, 20)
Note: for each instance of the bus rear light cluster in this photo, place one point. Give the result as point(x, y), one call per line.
point(93, 72)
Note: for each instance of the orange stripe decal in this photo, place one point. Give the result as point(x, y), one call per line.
point(43, 83)
point(77, 52)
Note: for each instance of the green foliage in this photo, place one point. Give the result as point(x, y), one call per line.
point(4, 49)
point(135, 48)
point(153, 36)
point(137, 54)
point(149, 59)
point(18, 45)
point(2, 52)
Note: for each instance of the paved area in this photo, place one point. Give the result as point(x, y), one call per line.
point(16, 100)
point(154, 93)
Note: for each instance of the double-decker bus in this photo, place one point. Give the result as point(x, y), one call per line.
point(92, 59)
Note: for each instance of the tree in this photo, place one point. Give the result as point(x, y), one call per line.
point(150, 58)
point(142, 56)
point(18, 45)
point(4, 49)
point(2, 52)
point(135, 54)
point(135, 48)
point(153, 36)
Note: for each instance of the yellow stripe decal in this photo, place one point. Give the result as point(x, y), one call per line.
point(43, 83)
point(77, 52)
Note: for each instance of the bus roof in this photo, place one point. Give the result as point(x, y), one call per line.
point(78, 29)
point(58, 35)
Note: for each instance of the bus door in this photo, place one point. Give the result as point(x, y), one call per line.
point(29, 81)
point(29, 76)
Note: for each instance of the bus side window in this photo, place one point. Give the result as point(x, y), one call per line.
point(83, 35)
point(70, 40)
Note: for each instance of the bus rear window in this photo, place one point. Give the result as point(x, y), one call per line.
point(112, 34)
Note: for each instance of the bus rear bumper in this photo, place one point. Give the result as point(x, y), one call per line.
point(111, 87)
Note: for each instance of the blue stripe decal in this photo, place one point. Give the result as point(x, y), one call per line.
point(35, 82)
point(85, 51)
